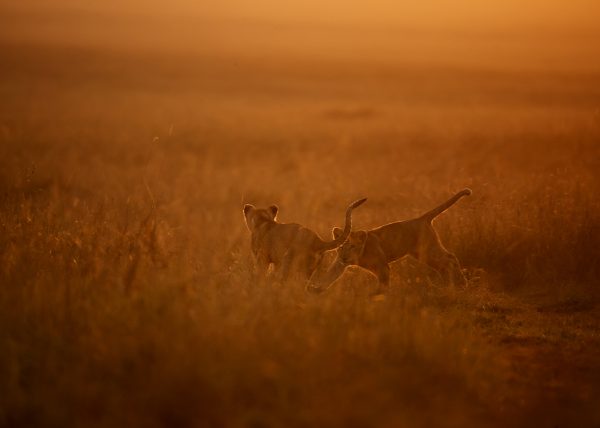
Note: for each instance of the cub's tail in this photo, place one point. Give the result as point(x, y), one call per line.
point(330, 245)
point(430, 215)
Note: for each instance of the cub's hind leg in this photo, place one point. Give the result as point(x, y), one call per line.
point(448, 267)
point(455, 270)
point(296, 265)
point(283, 269)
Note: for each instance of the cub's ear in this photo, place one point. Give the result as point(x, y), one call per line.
point(336, 232)
point(274, 209)
point(247, 209)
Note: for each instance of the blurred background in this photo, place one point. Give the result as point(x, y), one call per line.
point(514, 34)
point(132, 132)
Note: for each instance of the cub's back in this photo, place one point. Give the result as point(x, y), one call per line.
point(288, 235)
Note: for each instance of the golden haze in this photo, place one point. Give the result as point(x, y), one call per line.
point(131, 135)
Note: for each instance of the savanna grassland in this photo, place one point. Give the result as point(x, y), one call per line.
point(126, 288)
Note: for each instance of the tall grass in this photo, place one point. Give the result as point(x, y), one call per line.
point(125, 281)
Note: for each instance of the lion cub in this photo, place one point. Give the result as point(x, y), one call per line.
point(375, 249)
point(293, 249)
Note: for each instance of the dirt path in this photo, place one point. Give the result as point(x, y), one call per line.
point(550, 347)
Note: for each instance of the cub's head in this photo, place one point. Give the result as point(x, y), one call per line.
point(254, 217)
point(350, 251)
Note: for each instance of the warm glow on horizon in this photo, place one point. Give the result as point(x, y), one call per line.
point(558, 15)
point(511, 34)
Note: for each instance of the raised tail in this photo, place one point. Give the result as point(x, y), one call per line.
point(330, 245)
point(430, 215)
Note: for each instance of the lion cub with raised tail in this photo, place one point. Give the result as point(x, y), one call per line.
point(294, 250)
point(375, 249)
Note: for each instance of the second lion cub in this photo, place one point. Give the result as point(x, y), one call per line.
point(374, 249)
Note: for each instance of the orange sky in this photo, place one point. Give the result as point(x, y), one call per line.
point(547, 32)
point(563, 15)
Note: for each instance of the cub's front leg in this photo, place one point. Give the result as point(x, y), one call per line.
point(261, 266)
point(382, 273)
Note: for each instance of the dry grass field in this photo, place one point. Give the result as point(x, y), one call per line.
point(126, 290)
